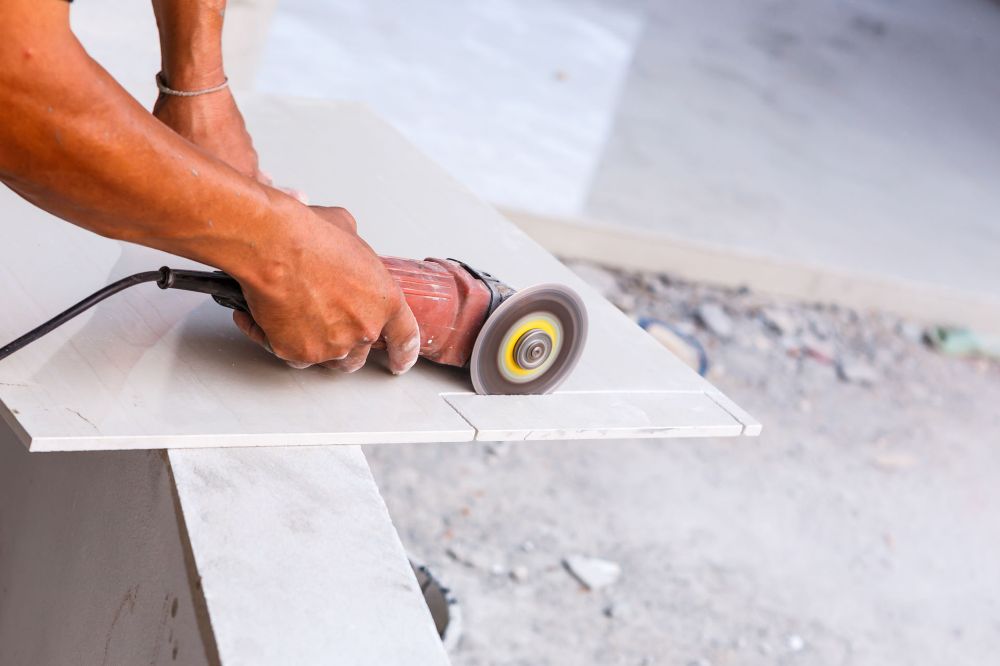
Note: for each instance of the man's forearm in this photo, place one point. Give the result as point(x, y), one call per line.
point(191, 42)
point(74, 142)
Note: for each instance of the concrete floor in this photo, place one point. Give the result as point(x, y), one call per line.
point(860, 529)
point(857, 135)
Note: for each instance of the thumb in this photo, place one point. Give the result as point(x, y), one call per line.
point(402, 340)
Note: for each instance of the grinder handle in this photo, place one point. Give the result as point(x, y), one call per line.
point(224, 289)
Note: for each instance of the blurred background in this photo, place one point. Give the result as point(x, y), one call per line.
point(804, 198)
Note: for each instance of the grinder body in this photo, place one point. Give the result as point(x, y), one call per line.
point(450, 301)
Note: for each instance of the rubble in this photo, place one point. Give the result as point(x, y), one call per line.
point(474, 558)
point(780, 321)
point(714, 318)
point(857, 372)
point(593, 572)
point(618, 610)
point(796, 643)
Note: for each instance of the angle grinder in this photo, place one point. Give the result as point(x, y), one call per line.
point(512, 342)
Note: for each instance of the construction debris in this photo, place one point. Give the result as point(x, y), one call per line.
point(857, 372)
point(593, 572)
point(715, 319)
point(962, 342)
point(780, 321)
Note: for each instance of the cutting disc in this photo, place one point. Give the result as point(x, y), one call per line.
point(531, 343)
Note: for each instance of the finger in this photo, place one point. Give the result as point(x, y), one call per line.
point(264, 177)
point(402, 340)
point(253, 331)
point(246, 323)
point(353, 362)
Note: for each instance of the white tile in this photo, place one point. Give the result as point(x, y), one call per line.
point(595, 415)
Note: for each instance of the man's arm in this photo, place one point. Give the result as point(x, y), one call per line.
point(73, 142)
point(191, 59)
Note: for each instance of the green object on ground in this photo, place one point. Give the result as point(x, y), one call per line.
point(962, 342)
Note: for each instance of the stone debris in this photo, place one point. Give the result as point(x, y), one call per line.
point(714, 318)
point(818, 349)
point(780, 321)
point(910, 331)
point(893, 461)
point(796, 643)
point(593, 572)
point(474, 558)
point(857, 372)
point(617, 610)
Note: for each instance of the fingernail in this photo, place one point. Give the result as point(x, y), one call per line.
point(297, 365)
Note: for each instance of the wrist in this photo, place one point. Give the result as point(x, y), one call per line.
point(275, 243)
point(193, 76)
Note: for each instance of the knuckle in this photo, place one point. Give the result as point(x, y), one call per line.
point(316, 354)
point(369, 334)
point(346, 219)
point(338, 351)
point(307, 353)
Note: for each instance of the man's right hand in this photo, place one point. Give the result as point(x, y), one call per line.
point(325, 298)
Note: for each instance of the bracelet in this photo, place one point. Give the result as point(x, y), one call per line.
point(187, 93)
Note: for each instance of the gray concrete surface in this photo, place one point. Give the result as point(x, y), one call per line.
point(862, 136)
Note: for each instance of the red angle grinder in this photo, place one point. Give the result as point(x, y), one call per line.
point(513, 342)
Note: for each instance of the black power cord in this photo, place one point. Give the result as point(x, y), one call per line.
point(79, 308)
point(223, 288)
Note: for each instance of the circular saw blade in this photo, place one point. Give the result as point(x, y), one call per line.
point(554, 308)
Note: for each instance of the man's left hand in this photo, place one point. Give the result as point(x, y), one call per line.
point(214, 123)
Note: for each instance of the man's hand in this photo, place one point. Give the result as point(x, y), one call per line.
point(329, 301)
point(214, 123)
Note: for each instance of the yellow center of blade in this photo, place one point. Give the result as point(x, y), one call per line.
point(515, 334)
